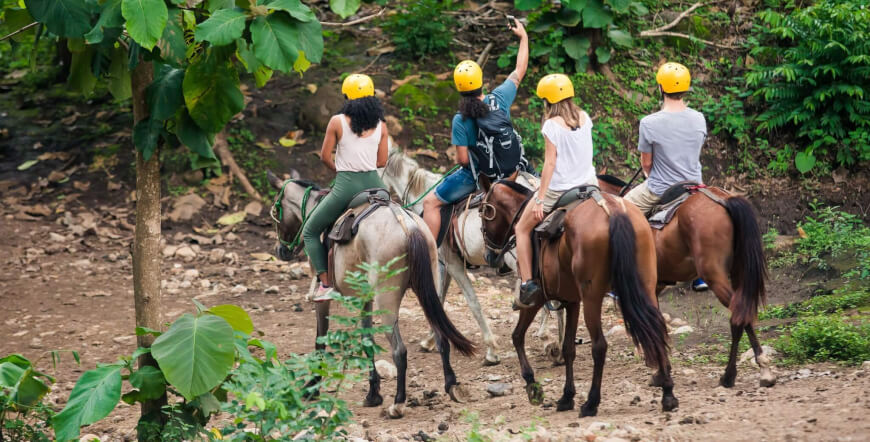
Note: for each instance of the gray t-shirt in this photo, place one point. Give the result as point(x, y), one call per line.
point(675, 140)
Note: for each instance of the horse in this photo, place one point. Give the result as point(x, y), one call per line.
point(409, 239)
point(603, 246)
point(719, 242)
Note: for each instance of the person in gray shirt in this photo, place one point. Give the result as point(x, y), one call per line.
point(669, 141)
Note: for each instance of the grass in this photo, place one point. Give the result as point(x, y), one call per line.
point(836, 302)
point(826, 338)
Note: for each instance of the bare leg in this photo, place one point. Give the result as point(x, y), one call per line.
point(566, 402)
point(533, 389)
point(523, 231)
point(432, 213)
point(592, 317)
point(767, 377)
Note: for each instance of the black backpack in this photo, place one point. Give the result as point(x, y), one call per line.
point(499, 151)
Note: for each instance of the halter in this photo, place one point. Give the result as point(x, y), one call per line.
point(277, 208)
point(488, 212)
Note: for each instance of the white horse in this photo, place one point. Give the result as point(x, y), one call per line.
point(411, 240)
point(403, 176)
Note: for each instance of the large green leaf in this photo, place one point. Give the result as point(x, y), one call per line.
point(344, 8)
point(164, 94)
point(576, 46)
point(94, 396)
point(602, 54)
point(173, 48)
point(568, 17)
point(145, 20)
point(214, 5)
point(596, 16)
point(275, 41)
point(119, 76)
point(192, 136)
point(620, 37)
point(150, 382)
point(575, 5)
point(237, 317)
point(804, 161)
point(310, 40)
point(222, 27)
point(15, 19)
point(81, 78)
point(293, 7)
point(211, 92)
point(18, 381)
point(110, 17)
point(195, 354)
point(619, 6)
point(66, 18)
point(527, 5)
point(146, 134)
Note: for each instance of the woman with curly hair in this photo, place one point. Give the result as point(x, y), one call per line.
point(357, 136)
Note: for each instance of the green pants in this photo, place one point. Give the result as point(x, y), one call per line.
point(347, 185)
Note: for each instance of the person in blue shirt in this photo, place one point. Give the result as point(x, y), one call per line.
point(468, 78)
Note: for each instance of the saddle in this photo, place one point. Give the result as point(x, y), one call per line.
point(450, 216)
point(346, 226)
point(673, 198)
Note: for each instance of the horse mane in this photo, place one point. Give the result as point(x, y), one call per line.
point(515, 186)
point(399, 163)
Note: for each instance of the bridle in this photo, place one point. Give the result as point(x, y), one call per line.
point(488, 212)
point(277, 213)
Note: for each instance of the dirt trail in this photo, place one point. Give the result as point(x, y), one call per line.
point(64, 288)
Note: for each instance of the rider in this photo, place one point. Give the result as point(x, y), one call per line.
point(473, 105)
point(669, 142)
point(567, 131)
point(358, 134)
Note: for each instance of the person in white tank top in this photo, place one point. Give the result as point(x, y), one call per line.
point(358, 136)
point(567, 130)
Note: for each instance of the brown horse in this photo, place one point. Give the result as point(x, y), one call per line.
point(720, 243)
point(600, 249)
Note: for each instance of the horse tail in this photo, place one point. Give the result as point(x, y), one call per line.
point(643, 321)
point(423, 284)
point(748, 266)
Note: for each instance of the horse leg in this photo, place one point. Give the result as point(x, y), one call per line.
point(456, 269)
point(428, 344)
point(592, 317)
point(569, 351)
point(727, 379)
point(533, 389)
point(400, 358)
point(767, 377)
point(658, 378)
point(373, 398)
point(553, 350)
point(456, 392)
point(719, 283)
point(321, 309)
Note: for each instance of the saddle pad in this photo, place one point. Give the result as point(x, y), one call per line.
point(663, 214)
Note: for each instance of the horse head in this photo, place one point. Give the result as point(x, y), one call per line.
point(286, 212)
point(499, 213)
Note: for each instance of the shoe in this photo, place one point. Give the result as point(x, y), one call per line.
point(699, 285)
point(529, 290)
point(323, 293)
point(505, 270)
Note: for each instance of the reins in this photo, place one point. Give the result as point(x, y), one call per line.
point(278, 208)
point(510, 240)
point(420, 198)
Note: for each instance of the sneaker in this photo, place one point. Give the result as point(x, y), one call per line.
point(529, 290)
point(322, 294)
point(699, 285)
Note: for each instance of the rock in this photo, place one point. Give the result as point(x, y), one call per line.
point(216, 255)
point(297, 273)
point(749, 355)
point(865, 366)
point(36, 343)
point(316, 110)
point(499, 389)
point(169, 251)
point(123, 339)
point(185, 284)
point(386, 369)
point(186, 253)
point(667, 317)
point(190, 274)
point(230, 272)
point(239, 289)
point(677, 322)
point(231, 236)
point(618, 330)
point(683, 330)
point(297, 307)
point(805, 373)
point(185, 207)
point(56, 237)
point(443, 426)
point(204, 283)
point(254, 208)
point(271, 290)
point(688, 420)
point(598, 426)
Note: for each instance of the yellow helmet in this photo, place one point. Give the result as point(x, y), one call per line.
point(468, 76)
point(357, 86)
point(673, 78)
point(555, 88)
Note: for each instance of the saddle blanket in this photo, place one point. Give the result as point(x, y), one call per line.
point(663, 214)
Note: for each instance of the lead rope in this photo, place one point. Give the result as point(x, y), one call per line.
point(278, 207)
point(409, 205)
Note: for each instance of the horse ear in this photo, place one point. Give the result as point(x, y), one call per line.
point(274, 180)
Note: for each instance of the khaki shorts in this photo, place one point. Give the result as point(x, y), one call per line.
point(641, 197)
point(550, 199)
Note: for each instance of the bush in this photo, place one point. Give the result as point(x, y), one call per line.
point(824, 338)
point(836, 302)
point(820, 84)
point(421, 27)
point(834, 234)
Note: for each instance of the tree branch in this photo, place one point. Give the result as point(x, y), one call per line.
point(482, 57)
point(656, 31)
point(686, 36)
point(20, 31)
point(220, 148)
point(355, 22)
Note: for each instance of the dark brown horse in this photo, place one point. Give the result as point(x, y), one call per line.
point(600, 249)
point(720, 243)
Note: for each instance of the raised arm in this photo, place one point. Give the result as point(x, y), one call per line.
point(522, 54)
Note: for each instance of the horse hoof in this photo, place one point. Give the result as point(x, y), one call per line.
point(565, 405)
point(489, 361)
point(373, 401)
point(767, 382)
point(726, 381)
point(670, 403)
point(396, 411)
point(535, 393)
point(458, 393)
point(588, 410)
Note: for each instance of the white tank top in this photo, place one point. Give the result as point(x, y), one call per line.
point(573, 154)
point(354, 153)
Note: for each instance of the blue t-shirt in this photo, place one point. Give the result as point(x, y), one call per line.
point(464, 131)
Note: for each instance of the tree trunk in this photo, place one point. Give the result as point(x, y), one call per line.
point(146, 242)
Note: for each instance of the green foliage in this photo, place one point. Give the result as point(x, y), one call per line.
point(420, 27)
point(727, 116)
point(826, 338)
point(23, 414)
point(820, 83)
point(818, 305)
point(835, 238)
